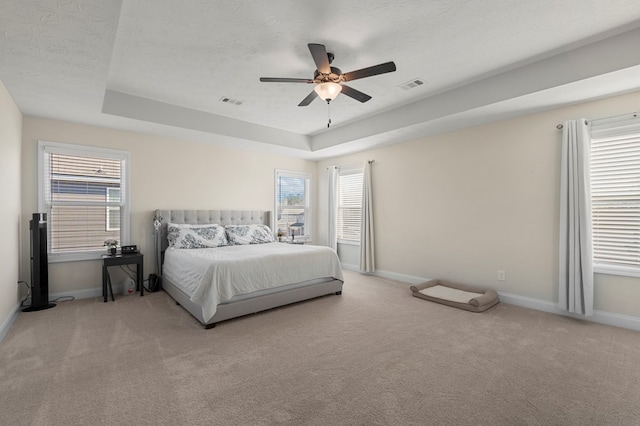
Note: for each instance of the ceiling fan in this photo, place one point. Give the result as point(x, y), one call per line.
point(328, 79)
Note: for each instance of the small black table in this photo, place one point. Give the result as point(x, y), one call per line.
point(121, 259)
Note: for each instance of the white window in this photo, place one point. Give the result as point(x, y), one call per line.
point(293, 204)
point(83, 191)
point(615, 192)
point(349, 204)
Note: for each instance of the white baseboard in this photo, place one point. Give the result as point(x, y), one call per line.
point(84, 293)
point(388, 275)
point(349, 267)
point(602, 317)
point(8, 321)
point(411, 279)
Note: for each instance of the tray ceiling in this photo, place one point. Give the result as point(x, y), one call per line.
point(164, 66)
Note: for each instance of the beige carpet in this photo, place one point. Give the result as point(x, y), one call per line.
point(373, 356)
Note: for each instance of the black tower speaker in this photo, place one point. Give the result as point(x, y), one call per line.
point(39, 264)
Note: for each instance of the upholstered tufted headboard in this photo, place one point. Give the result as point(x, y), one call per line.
point(221, 217)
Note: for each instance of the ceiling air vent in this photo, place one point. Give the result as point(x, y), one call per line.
point(230, 101)
point(411, 84)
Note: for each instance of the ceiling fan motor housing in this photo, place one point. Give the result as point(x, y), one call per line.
point(334, 76)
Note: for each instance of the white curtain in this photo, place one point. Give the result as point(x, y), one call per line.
point(333, 207)
point(576, 247)
point(367, 255)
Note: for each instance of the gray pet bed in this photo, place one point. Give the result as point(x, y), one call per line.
point(460, 296)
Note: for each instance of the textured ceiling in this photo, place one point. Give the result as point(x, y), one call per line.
point(162, 66)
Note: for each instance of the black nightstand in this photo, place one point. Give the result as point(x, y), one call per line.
point(121, 259)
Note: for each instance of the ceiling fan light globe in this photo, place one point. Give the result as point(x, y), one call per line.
point(328, 90)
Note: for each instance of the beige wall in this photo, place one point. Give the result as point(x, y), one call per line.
point(10, 166)
point(165, 174)
point(460, 205)
point(466, 204)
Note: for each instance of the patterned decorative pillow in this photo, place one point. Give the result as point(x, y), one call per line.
point(248, 234)
point(187, 236)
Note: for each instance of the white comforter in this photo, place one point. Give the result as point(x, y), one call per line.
point(214, 275)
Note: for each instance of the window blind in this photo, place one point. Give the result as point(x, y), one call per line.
point(615, 192)
point(349, 204)
point(84, 196)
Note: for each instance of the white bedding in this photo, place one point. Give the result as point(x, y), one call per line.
point(211, 276)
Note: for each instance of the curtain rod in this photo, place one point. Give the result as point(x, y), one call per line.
point(560, 126)
point(368, 161)
point(634, 114)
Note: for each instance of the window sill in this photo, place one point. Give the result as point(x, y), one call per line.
point(75, 257)
point(349, 242)
point(617, 270)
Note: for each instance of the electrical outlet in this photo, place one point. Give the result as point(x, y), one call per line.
point(501, 276)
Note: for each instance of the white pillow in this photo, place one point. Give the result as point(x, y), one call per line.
point(188, 236)
point(248, 234)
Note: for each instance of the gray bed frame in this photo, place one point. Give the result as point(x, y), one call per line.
point(243, 304)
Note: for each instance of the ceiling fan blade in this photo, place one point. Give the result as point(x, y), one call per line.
point(285, 80)
point(355, 94)
point(369, 71)
point(319, 53)
point(310, 97)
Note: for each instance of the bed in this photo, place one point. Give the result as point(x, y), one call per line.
point(217, 284)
